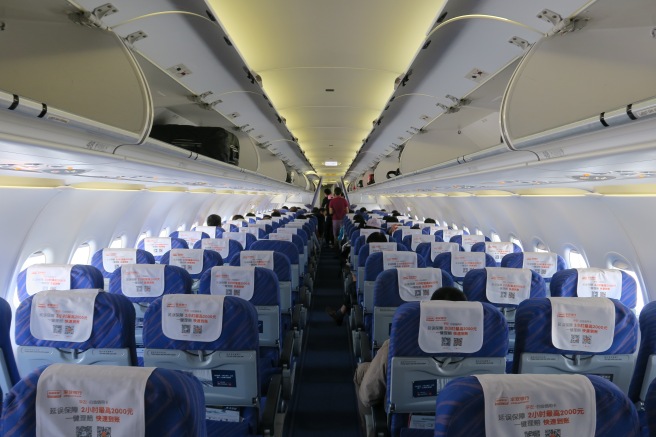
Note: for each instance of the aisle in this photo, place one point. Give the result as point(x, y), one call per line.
point(324, 403)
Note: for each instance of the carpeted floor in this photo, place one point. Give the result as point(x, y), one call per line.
point(324, 402)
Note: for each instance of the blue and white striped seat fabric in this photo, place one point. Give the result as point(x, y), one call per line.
point(426, 250)
point(99, 261)
point(484, 246)
point(239, 336)
point(172, 243)
point(387, 299)
point(211, 231)
point(82, 276)
point(112, 330)
point(266, 299)
point(210, 259)
point(190, 237)
point(288, 297)
point(459, 239)
point(645, 369)
point(173, 401)
point(234, 247)
point(176, 281)
point(564, 284)
point(535, 351)
point(443, 261)
point(296, 258)
point(475, 288)
point(435, 369)
point(363, 254)
point(460, 409)
point(517, 260)
point(8, 370)
point(649, 424)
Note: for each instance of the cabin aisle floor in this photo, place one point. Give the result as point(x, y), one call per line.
point(324, 401)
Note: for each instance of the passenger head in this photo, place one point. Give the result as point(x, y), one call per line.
point(363, 209)
point(238, 217)
point(449, 293)
point(338, 191)
point(250, 214)
point(276, 213)
point(429, 220)
point(390, 219)
point(293, 209)
point(301, 216)
point(327, 192)
point(266, 217)
point(415, 227)
point(377, 237)
point(214, 220)
point(395, 213)
point(315, 210)
point(358, 218)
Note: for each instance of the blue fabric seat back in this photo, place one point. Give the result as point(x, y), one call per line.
point(407, 242)
point(10, 376)
point(218, 231)
point(516, 260)
point(363, 254)
point(281, 266)
point(460, 410)
point(474, 286)
point(234, 247)
point(176, 243)
point(563, 284)
point(113, 328)
point(142, 257)
point(177, 234)
point(424, 249)
point(443, 261)
point(82, 276)
point(404, 343)
point(174, 406)
point(533, 323)
point(481, 247)
point(458, 239)
point(386, 288)
point(645, 369)
point(210, 259)
point(296, 241)
point(374, 264)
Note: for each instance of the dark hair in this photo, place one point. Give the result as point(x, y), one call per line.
point(449, 293)
point(429, 220)
point(338, 191)
point(377, 237)
point(266, 217)
point(390, 219)
point(250, 214)
point(276, 213)
point(214, 220)
point(327, 191)
point(414, 227)
point(395, 213)
point(358, 218)
point(238, 217)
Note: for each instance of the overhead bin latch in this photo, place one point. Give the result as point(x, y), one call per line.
point(574, 24)
point(94, 18)
point(550, 17)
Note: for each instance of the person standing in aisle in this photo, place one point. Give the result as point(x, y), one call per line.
point(328, 226)
point(337, 208)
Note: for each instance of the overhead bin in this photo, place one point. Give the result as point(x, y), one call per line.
point(183, 39)
point(594, 69)
point(475, 42)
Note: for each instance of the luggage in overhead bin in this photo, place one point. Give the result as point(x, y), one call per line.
point(213, 142)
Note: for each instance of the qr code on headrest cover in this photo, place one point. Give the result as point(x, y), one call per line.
point(535, 433)
point(104, 431)
point(83, 431)
point(552, 433)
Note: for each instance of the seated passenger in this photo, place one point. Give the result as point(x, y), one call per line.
point(276, 213)
point(371, 378)
point(214, 220)
point(238, 217)
point(429, 220)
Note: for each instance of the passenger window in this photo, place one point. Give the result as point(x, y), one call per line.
point(454, 227)
point(478, 232)
point(517, 241)
point(182, 228)
point(466, 229)
point(494, 237)
point(141, 237)
point(619, 263)
point(540, 246)
point(117, 243)
point(164, 232)
point(194, 225)
point(416, 218)
point(82, 254)
point(35, 258)
point(575, 259)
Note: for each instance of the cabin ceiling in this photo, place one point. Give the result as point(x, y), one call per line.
point(301, 49)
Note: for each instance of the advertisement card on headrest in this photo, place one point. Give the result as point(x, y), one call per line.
point(462, 262)
point(382, 247)
point(189, 259)
point(221, 245)
point(498, 250)
point(75, 400)
point(582, 324)
point(416, 284)
point(192, 317)
point(538, 405)
point(399, 260)
point(48, 277)
point(257, 258)
point(209, 230)
point(158, 246)
point(507, 286)
point(233, 281)
point(280, 237)
point(450, 327)
point(593, 282)
point(420, 238)
point(143, 280)
point(237, 236)
point(438, 247)
point(544, 263)
point(63, 315)
point(469, 240)
point(112, 259)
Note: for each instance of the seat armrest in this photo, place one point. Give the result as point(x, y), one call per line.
point(268, 417)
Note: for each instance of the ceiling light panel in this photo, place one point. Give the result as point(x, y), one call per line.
point(302, 48)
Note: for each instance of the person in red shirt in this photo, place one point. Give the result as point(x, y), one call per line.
point(338, 208)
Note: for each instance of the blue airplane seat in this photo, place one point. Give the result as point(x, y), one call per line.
point(579, 346)
point(566, 283)
point(8, 369)
point(173, 401)
point(645, 369)
point(190, 237)
point(414, 389)
point(158, 246)
point(211, 231)
point(226, 247)
point(545, 263)
point(460, 407)
point(108, 340)
point(194, 261)
point(434, 248)
point(459, 263)
point(107, 260)
point(467, 241)
point(57, 277)
point(497, 249)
